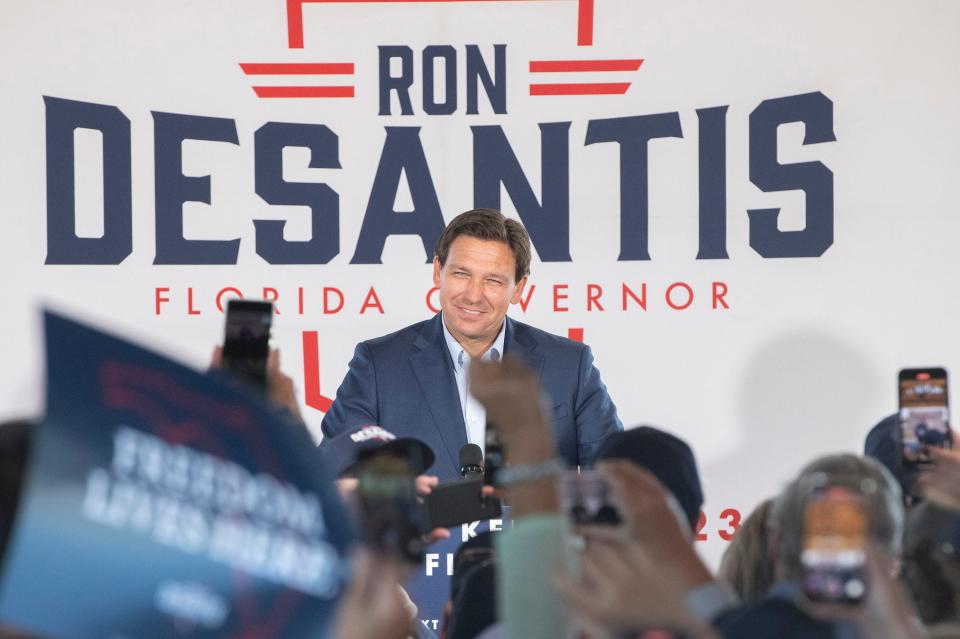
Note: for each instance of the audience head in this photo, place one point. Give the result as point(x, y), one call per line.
point(882, 501)
point(883, 444)
point(343, 452)
point(471, 554)
point(490, 225)
point(931, 562)
point(475, 607)
point(667, 457)
point(747, 563)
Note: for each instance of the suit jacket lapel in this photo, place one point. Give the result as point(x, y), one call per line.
point(520, 344)
point(434, 371)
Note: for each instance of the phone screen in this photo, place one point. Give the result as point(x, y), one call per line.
point(389, 510)
point(587, 499)
point(246, 341)
point(924, 413)
point(834, 546)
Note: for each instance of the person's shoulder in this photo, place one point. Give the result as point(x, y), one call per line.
point(400, 339)
point(547, 341)
point(772, 617)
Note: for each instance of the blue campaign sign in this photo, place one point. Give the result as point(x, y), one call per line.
point(161, 502)
point(429, 588)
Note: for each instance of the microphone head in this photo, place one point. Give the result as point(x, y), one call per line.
point(471, 455)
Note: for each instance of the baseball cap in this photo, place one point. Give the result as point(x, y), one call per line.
point(668, 457)
point(343, 451)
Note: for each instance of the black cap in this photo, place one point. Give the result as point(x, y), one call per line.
point(668, 457)
point(343, 451)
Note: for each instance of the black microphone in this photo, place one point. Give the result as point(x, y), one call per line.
point(471, 462)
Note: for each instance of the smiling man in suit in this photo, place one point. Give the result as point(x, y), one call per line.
point(414, 382)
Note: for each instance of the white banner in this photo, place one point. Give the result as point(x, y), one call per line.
point(746, 208)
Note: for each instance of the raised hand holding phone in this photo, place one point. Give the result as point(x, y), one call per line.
point(246, 341)
point(835, 531)
point(924, 414)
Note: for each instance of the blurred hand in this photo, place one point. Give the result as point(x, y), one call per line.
point(649, 519)
point(885, 612)
point(374, 606)
point(941, 484)
point(615, 593)
point(510, 393)
point(636, 575)
point(426, 484)
point(623, 588)
point(280, 389)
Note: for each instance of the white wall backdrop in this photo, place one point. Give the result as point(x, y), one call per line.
point(801, 363)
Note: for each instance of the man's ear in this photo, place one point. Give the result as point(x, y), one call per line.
point(436, 271)
point(518, 292)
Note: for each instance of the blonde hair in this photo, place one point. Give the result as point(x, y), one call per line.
point(747, 564)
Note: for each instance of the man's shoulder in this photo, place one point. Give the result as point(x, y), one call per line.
point(770, 617)
point(399, 340)
point(545, 340)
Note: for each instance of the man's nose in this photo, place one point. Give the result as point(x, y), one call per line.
point(474, 291)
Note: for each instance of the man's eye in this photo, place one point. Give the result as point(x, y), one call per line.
point(493, 281)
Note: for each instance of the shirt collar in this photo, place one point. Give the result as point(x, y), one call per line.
point(460, 356)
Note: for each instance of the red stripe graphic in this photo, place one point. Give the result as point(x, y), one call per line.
point(295, 16)
point(304, 92)
point(311, 373)
point(566, 66)
point(594, 88)
point(585, 23)
point(297, 68)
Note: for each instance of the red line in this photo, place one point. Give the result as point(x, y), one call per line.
point(297, 68)
point(311, 373)
point(304, 92)
point(410, 1)
point(295, 17)
point(585, 23)
point(596, 88)
point(554, 66)
point(295, 24)
point(576, 334)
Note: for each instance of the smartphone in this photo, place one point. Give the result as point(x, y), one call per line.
point(458, 502)
point(924, 414)
point(833, 558)
point(586, 499)
point(390, 516)
point(246, 342)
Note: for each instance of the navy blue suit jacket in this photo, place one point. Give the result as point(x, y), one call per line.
point(405, 382)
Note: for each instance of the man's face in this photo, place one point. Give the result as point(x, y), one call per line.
point(477, 286)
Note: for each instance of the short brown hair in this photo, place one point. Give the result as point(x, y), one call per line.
point(488, 224)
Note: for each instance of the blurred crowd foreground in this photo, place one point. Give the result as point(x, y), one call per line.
point(154, 501)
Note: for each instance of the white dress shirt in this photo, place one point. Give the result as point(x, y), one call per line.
point(474, 415)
